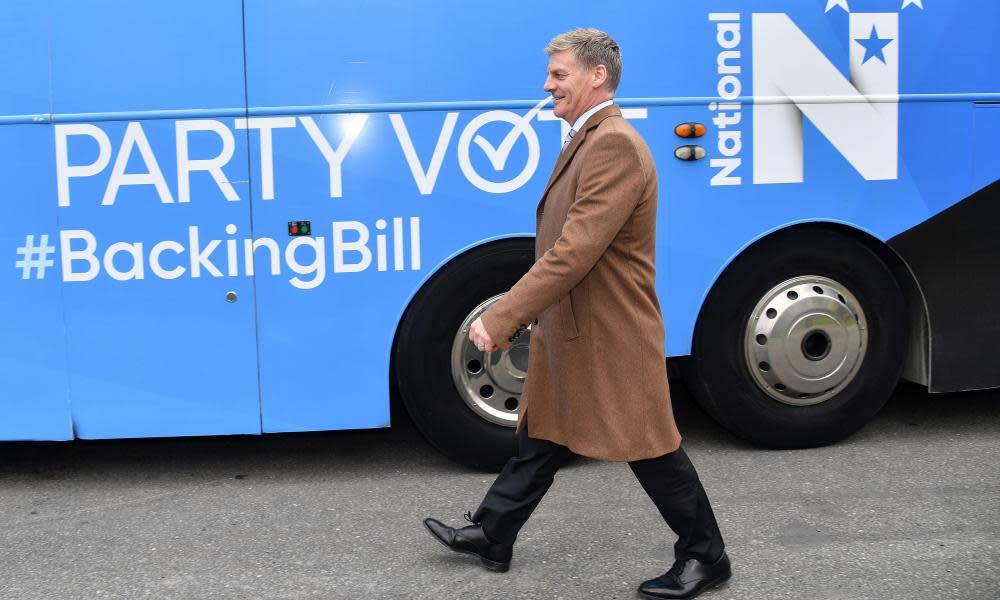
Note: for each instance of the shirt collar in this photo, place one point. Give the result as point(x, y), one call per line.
point(583, 118)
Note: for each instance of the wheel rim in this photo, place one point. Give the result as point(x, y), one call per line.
point(806, 340)
point(489, 382)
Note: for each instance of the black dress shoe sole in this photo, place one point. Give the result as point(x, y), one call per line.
point(708, 586)
point(492, 565)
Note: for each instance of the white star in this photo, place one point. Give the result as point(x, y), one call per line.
point(842, 4)
point(919, 3)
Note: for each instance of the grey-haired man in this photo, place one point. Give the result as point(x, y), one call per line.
point(596, 383)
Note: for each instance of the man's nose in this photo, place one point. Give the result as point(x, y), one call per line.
point(548, 87)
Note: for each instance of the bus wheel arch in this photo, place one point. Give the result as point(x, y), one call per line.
point(464, 406)
point(846, 316)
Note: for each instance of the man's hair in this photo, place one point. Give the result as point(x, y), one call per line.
point(591, 47)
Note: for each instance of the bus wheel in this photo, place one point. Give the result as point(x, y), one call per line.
point(801, 341)
point(462, 400)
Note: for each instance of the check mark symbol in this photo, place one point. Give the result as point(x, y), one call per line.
point(498, 156)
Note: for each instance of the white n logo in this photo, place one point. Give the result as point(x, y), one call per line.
point(859, 117)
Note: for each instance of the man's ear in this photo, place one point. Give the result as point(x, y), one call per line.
point(600, 76)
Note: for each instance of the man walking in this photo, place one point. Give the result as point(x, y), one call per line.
point(596, 382)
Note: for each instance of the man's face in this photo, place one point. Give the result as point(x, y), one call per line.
point(572, 86)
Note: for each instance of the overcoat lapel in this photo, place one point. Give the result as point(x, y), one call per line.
point(567, 155)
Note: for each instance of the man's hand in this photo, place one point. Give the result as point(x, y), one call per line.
point(479, 337)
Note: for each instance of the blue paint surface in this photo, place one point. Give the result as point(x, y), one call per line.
point(305, 345)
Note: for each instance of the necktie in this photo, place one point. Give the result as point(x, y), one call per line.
point(569, 138)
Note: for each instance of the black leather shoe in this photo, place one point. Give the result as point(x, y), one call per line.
point(472, 540)
point(687, 579)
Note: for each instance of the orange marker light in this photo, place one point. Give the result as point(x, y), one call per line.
point(690, 130)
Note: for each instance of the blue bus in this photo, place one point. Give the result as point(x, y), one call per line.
point(240, 217)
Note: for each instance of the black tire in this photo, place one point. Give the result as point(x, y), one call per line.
point(422, 354)
point(718, 374)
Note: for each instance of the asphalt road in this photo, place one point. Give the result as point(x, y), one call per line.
point(909, 508)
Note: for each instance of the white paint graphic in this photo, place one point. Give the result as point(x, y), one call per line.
point(860, 116)
point(135, 137)
point(266, 125)
point(333, 137)
point(66, 171)
point(82, 256)
point(728, 114)
point(498, 156)
point(335, 158)
point(187, 165)
point(35, 257)
point(830, 4)
point(425, 180)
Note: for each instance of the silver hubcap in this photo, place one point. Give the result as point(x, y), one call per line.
point(806, 340)
point(489, 382)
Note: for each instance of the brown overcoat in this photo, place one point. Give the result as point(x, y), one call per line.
point(596, 380)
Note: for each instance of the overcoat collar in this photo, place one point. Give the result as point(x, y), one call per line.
point(567, 154)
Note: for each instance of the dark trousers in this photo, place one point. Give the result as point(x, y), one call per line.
point(669, 480)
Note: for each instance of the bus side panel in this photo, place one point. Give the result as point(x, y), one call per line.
point(325, 340)
point(705, 225)
point(33, 365)
point(956, 258)
point(35, 401)
point(117, 55)
point(986, 164)
point(24, 64)
point(931, 54)
point(477, 187)
point(155, 347)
